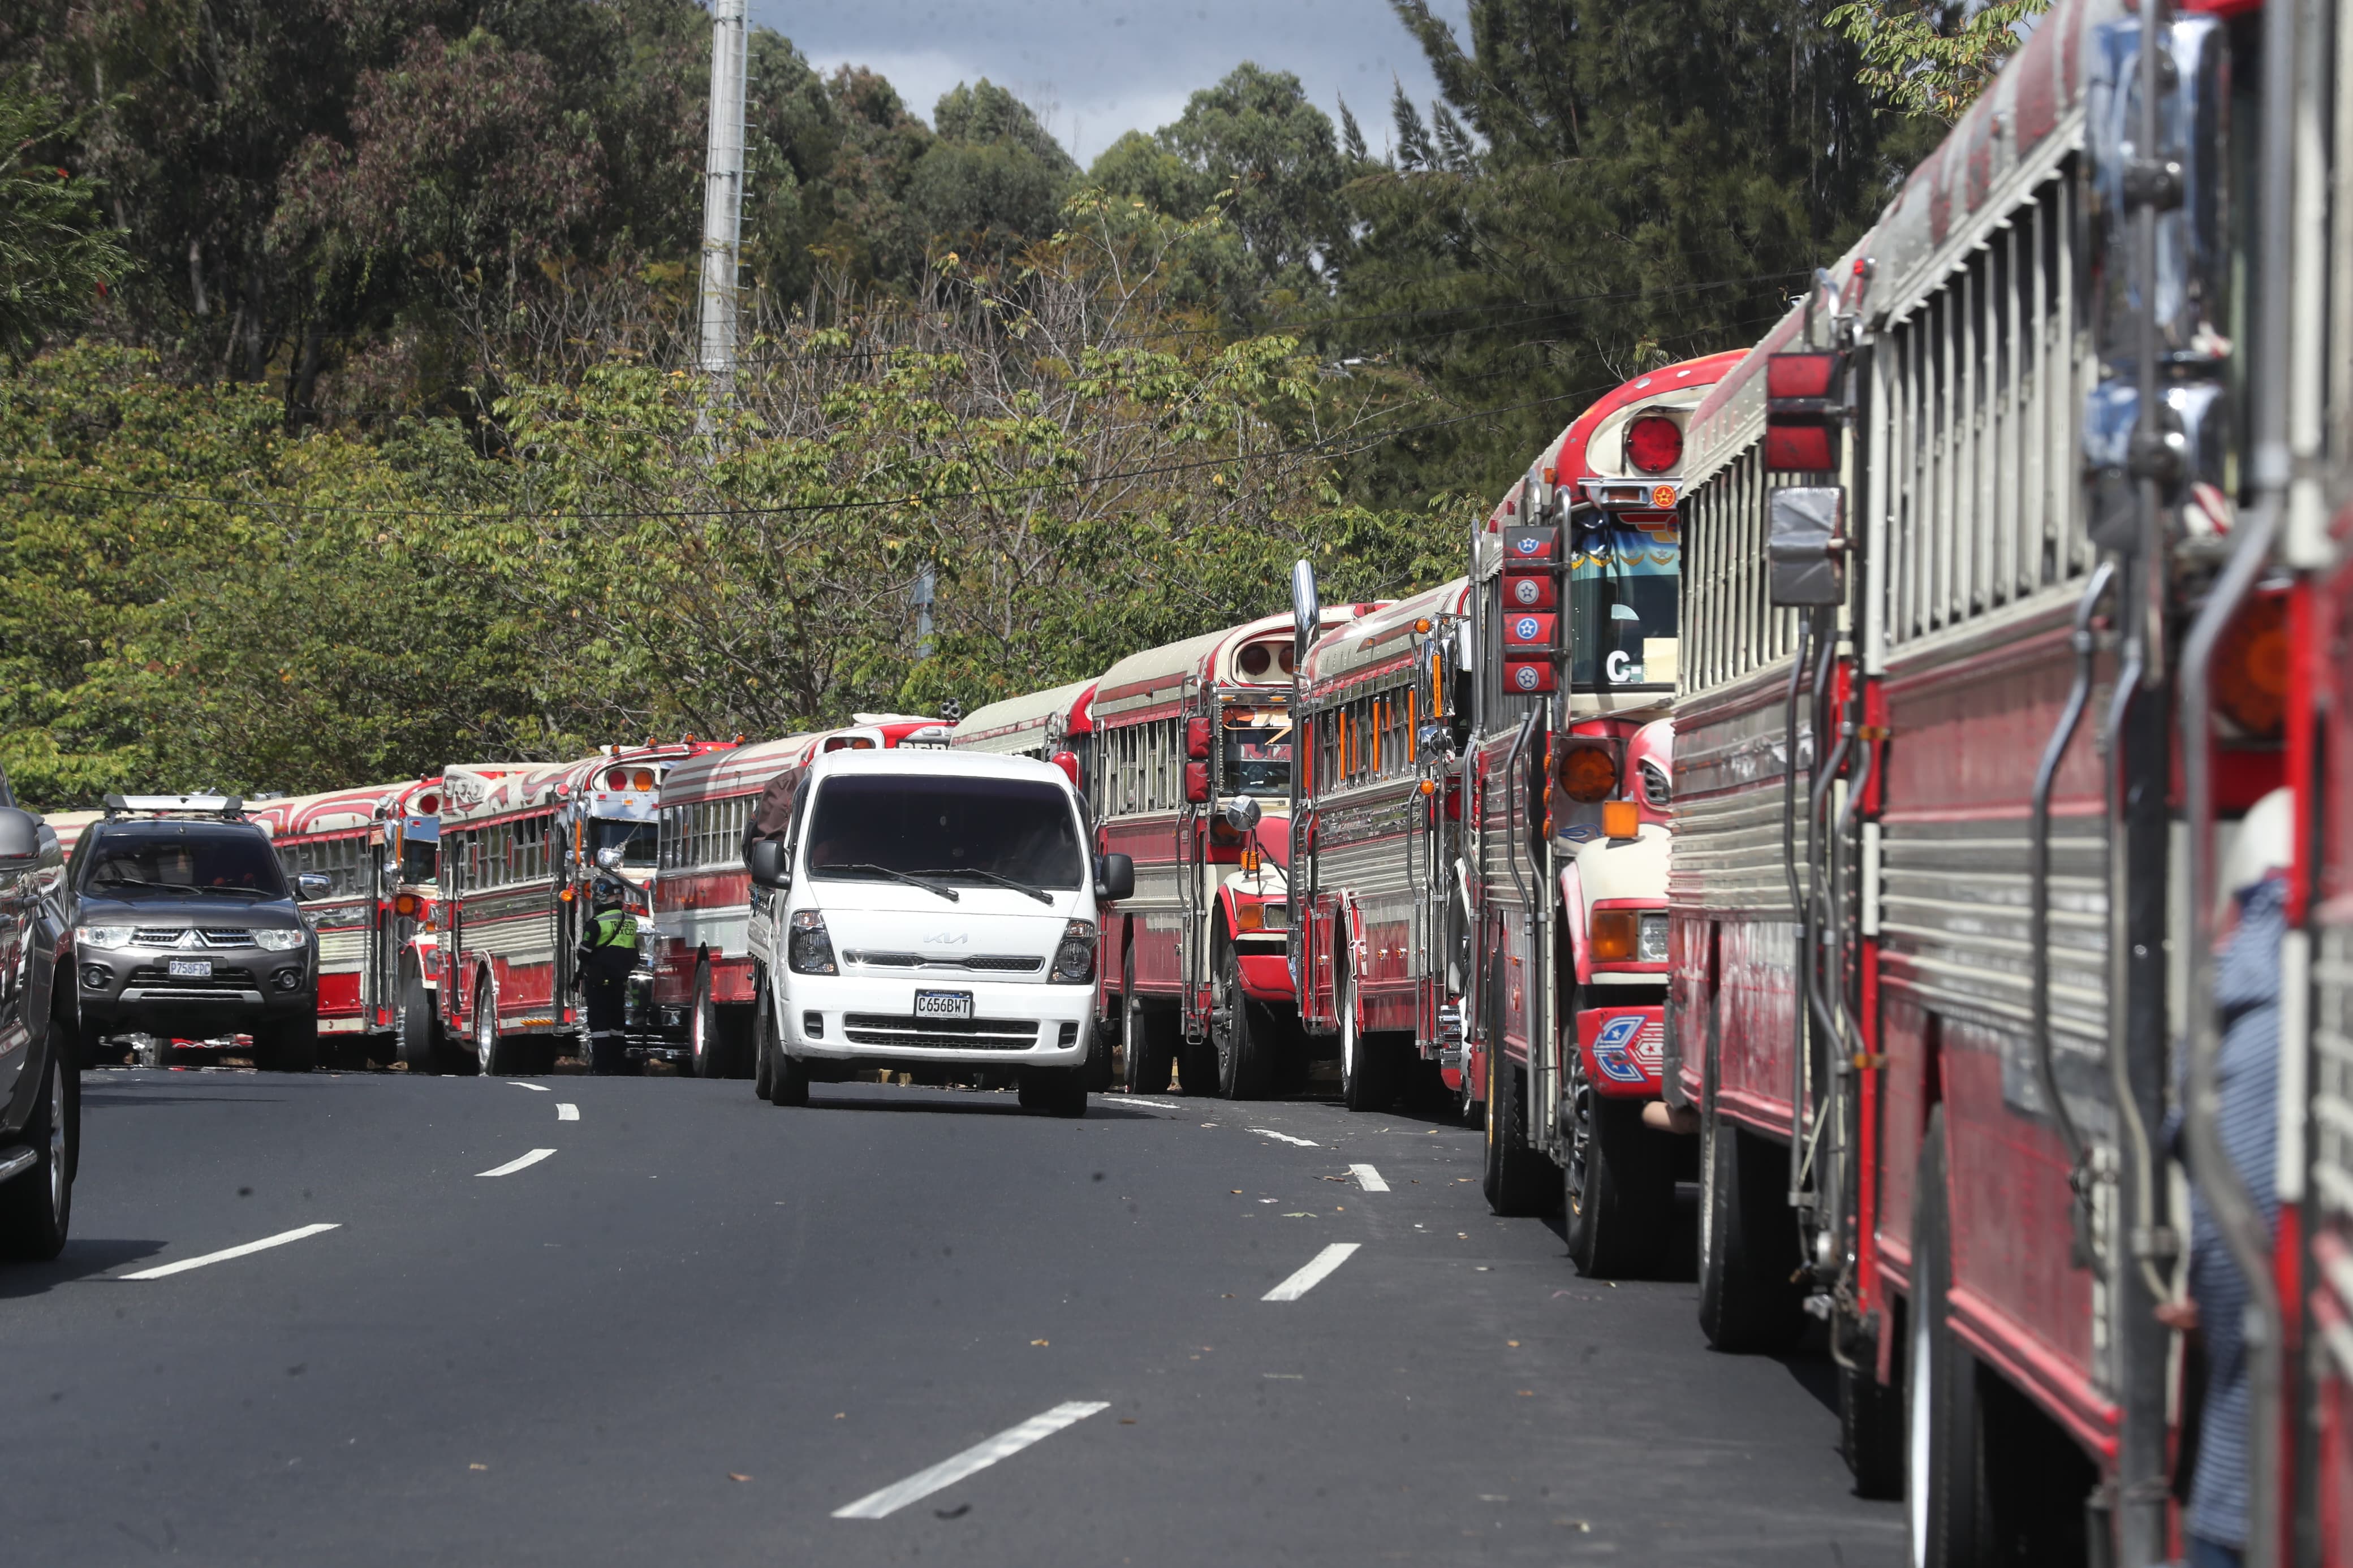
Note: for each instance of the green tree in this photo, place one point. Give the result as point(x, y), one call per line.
point(57, 257)
point(1933, 58)
point(993, 180)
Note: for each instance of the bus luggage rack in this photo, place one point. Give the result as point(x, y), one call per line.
point(939, 1033)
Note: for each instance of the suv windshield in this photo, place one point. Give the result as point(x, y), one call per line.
point(175, 860)
point(1258, 753)
point(1621, 605)
point(1012, 828)
point(639, 842)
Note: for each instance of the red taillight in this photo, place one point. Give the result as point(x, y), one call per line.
point(1255, 659)
point(1654, 444)
point(426, 805)
point(617, 778)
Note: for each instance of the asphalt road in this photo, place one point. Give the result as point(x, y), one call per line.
point(702, 1325)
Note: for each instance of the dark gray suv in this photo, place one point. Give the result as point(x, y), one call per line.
point(183, 926)
point(40, 1077)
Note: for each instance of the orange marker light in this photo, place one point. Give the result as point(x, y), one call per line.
point(1614, 935)
point(1620, 819)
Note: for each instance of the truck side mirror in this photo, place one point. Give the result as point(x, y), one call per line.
point(771, 864)
point(609, 857)
point(310, 885)
point(20, 840)
point(1197, 784)
point(1241, 813)
point(1115, 878)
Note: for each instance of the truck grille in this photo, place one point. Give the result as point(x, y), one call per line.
point(985, 963)
point(156, 977)
point(939, 1033)
point(206, 936)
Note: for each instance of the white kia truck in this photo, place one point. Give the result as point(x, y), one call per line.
point(930, 909)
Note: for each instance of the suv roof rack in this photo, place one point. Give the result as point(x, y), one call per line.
point(229, 807)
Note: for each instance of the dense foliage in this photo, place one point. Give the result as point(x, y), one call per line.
point(378, 448)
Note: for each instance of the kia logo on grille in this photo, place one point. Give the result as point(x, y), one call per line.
point(956, 937)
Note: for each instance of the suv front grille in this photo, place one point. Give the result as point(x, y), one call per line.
point(939, 1033)
point(206, 936)
point(155, 976)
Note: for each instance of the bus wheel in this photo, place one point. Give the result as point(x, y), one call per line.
point(1618, 1187)
point(1943, 1495)
point(1747, 1243)
point(494, 1054)
point(1517, 1178)
point(1243, 1034)
point(1143, 1040)
point(417, 1032)
point(1871, 1417)
point(703, 1029)
point(1363, 1084)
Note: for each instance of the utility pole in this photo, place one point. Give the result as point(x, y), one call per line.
point(723, 194)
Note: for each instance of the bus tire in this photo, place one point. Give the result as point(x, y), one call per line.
point(1945, 1504)
point(706, 1046)
point(288, 1045)
point(1143, 1039)
point(1247, 1039)
point(1618, 1190)
point(495, 1055)
point(1747, 1243)
point(1518, 1180)
point(417, 1032)
point(1364, 1080)
point(1871, 1421)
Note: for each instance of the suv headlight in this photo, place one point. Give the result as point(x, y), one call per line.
point(278, 940)
point(101, 936)
point(1074, 957)
point(809, 949)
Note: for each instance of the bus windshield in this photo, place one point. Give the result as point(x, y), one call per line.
point(638, 841)
point(421, 850)
point(1258, 753)
point(1621, 604)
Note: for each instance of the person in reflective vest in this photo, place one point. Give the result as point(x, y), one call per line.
point(607, 955)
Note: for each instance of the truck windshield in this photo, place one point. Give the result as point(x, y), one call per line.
point(638, 842)
point(1621, 604)
point(173, 862)
point(1258, 753)
point(1015, 829)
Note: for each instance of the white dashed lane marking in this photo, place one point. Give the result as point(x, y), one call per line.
point(1369, 1178)
point(222, 1256)
point(534, 1087)
point(1287, 1138)
point(511, 1167)
point(572, 1113)
point(1314, 1274)
point(980, 1456)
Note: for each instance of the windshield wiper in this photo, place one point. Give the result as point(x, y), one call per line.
point(1039, 894)
point(98, 889)
point(950, 894)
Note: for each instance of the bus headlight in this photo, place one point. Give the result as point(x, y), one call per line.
point(1654, 937)
point(1074, 958)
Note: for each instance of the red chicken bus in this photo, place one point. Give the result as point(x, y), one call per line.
point(520, 855)
point(345, 835)
point(1379, 901)
point(703, 983)
point(1041, 725)
point(1192, 753)
point(1938, 903)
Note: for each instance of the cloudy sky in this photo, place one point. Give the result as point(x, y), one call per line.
point(1095, 68)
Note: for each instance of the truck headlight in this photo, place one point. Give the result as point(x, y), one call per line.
point(278, 940)
point(809, 949)
point(1074, 957)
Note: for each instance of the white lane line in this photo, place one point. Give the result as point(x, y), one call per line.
point(534, 1087)
point(572, 1113)
point(980, 1456)
point(1287, 1138)
point(1369, 1178)
point(267, 1242)
point(1307, 1278)
point(511, 1167)
point(1156, 1104)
